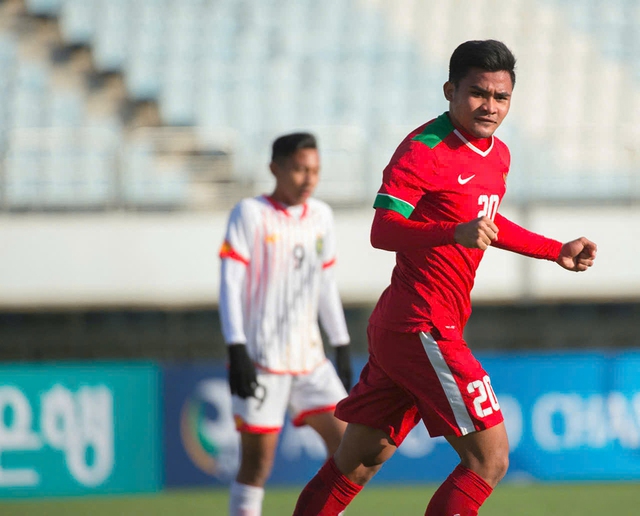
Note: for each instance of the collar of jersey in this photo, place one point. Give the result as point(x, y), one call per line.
point(278, 206)
point(472, 146)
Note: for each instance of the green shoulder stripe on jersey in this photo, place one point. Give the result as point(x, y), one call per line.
point(393, 203)
point(435, 132)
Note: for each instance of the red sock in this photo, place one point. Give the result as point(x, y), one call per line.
point(461, 494)
point(326, 494)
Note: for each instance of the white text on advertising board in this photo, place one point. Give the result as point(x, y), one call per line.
point(77, 424)
point(568, 421)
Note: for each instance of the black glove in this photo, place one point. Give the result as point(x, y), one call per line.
point(343, 366)
point(242, 372)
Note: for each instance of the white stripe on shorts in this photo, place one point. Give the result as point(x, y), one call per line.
point(448, 382)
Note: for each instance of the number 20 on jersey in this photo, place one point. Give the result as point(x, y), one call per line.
point(488, 205)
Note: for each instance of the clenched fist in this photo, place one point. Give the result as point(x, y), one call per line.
point(577, 255)
point(477, 234)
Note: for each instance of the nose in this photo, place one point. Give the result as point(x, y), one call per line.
point(490, 104)
point(310, 178)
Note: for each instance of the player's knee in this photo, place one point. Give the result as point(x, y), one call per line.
point(255, 468)
point(499, 466)
point(376, 456)
point(375, 460)
point(491, 470)
point(363, 474)
point(490, 466)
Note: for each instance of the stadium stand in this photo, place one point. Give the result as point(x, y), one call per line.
point(361, 73)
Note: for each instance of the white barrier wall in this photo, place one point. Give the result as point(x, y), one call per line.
point(127, 259)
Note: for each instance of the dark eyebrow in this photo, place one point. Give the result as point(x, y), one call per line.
point(501, 94)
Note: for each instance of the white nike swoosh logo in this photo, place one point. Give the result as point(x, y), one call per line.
point(465, 180)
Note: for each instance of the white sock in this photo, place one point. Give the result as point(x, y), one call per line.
point(245, 500)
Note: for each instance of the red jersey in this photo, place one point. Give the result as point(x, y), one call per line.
point(438, 176)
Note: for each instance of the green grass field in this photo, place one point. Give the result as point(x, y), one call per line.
point(508, 500)
point(511, 500)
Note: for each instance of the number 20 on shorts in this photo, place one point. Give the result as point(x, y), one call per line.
point(485, 392)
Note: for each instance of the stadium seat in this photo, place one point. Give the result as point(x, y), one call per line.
point(65, 109)
point(32, 82)
point(77, 21)
point(146, 184)
point(343, 167)
point(43, 7)
point(177, 106)
point(316, 98)
point(22, 181)
point(110, 40)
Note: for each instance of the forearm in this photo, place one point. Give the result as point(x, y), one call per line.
point(392, 232)
point(515, 238)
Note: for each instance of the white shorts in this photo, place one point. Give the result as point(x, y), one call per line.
point(303, 395)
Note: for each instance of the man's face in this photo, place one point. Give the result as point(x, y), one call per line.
point(296, 176)
point(480, 102)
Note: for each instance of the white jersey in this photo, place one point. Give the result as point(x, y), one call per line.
point(276, 279)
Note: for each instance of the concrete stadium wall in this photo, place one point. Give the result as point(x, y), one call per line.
point(137, 259)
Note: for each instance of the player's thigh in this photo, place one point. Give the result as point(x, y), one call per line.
point(364, 445)
point(259, 448)
point(257, 457)
point(264, 413)
point(329, 427)
point(316, 392)
point(452, 391)
point(377, 400)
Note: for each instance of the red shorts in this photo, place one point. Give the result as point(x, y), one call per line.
point(413, 376)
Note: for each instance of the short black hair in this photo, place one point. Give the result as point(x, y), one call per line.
point(288, 144)
point(489, 55)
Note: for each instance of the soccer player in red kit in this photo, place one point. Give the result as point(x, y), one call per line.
point(437, 210)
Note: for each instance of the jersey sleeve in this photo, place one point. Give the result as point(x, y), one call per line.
point(515, 238)
point(392, 232)
point(329, 242)
point(235, 254)
point(232, 280)
point(330, 310)
point(406, 179)
point(236, 245)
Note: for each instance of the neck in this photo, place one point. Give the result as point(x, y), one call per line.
point(278, 197)
point(481, 143)
point(281, 199)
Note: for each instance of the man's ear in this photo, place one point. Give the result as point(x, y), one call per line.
point(448, 88)
point(274, 168)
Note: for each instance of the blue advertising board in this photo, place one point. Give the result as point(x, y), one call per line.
point(569, 416)
point(79, 428)
point(575, 416)
point(200, 442)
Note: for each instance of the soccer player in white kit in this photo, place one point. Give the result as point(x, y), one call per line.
point(276, 279)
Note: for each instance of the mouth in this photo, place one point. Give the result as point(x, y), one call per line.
point(484, 120)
